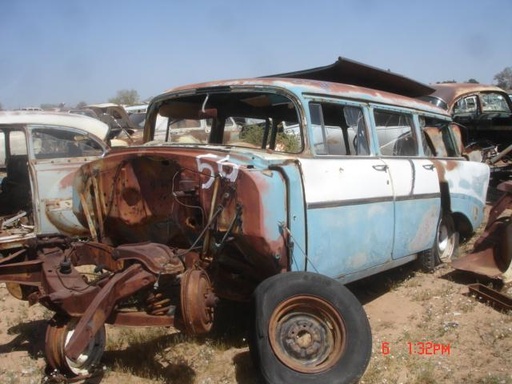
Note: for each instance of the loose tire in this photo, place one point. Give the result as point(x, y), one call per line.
point(58, 333)
point(309, 328)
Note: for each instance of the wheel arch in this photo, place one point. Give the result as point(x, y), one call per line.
point(462, 223)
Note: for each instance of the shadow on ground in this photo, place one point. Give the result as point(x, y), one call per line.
point(29, 338)
point(154, 358)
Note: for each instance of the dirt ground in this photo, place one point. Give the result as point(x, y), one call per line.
point(426, 329)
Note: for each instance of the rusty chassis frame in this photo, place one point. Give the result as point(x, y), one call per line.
point(134, 285)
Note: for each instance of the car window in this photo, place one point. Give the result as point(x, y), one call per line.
point(263, 120)
point(138, 119)
point(395, 133)
point(55, 142)
point(338, 130)
point(439, 138)
point(493, 102)
point(189, 130)
point(466, 105)
point(17, 145)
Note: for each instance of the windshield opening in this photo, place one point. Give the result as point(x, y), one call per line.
point(247, 119)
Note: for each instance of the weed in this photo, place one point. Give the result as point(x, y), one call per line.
point(496, 379)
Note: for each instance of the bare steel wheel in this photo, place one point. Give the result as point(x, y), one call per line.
point(58, 333)
point(307, 334)
point(447, 241)
point(446, 244)
point(308, 328)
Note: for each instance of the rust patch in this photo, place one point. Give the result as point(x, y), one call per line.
point(492, 253)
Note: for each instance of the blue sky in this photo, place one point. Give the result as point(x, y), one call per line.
point(72, 51)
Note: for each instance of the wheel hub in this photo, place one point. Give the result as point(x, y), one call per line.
point(304, 337)
point(197, 301)
point(307, 334)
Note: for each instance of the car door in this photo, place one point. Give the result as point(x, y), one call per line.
point(348, 197)
point(56, 154)
point(416, 190)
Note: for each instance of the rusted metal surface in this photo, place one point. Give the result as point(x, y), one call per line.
point(298, 337)
point(491, 297)
point(484, 112)
point(450, 92)
point(58, 282)
point(492, 252)
point(351, 72)
point(197, 301)
point(120, 286)
point(58, 332)
point(163, 195)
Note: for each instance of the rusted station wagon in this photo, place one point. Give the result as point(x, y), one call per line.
point(323, 184)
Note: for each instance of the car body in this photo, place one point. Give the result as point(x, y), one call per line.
point(322, 183)
point(39, 154)
point(137, 114)
point(121, 126)
point(323, 177)
point(485, 111)
point(396, 184)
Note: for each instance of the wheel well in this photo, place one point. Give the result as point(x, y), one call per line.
point(462, 223)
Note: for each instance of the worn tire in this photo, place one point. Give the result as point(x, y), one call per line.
point(309, 328)
point(58, 333)
point(446, 244)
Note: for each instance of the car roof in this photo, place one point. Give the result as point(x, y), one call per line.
point(88, 124)
point(348, 71)
point(306, 86)
point(449, 92)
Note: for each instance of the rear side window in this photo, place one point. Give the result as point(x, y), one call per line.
point(338, 130)
point(440, 138)
point(395, 133)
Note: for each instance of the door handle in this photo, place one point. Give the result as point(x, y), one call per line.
point(428, 167)
point(380, 167)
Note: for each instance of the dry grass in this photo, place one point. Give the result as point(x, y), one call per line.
point(409, 308)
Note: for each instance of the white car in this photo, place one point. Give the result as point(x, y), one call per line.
point(39, 155)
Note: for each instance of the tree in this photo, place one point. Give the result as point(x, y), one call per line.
point(1, 107)
point(126, 97)
point(472, 81)
point(81, 104)
point(504, 78)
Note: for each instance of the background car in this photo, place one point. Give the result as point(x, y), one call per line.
point(39, 155)
point(484, 111)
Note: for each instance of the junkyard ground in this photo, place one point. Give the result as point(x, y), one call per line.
point(470, 342)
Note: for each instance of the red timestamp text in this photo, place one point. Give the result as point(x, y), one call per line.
point(427, 348)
